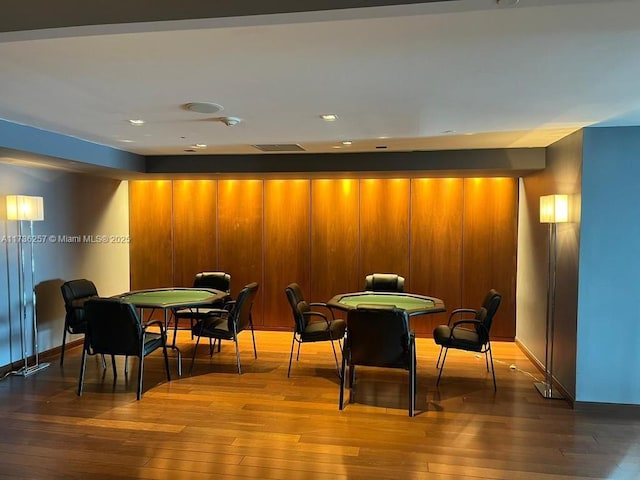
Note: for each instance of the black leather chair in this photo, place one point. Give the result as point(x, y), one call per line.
point(384, 282)
point(378, 336)
point(227, 323)
point(470, 334)
point(308, 330)
point(216, 280)
point(75, 294)
point(114, 328)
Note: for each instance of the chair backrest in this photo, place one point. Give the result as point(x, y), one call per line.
point(216, 280)
point(295, 297)
point(378, 336)
point(75, 293)
point(384, 282)
point(241, 313)
point(487, 313)
point(113, 327)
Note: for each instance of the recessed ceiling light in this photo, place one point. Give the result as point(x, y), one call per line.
point(128, 141)
point(329, 117)
point(337, 146)
point(199, 145)
point(203, 107)
point(136, 122)
point(347, 142)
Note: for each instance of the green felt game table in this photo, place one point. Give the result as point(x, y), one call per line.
point(169, 299)
point(413, 303)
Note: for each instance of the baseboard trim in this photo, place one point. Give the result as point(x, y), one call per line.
point(536, 363)
point(46, 356)
point(614, 410)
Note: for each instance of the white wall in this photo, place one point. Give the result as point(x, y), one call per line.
point(561, 175)
point(75, 204)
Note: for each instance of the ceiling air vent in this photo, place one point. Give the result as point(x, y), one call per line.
point(280, 147)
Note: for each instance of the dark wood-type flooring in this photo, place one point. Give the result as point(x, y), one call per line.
point(216, 424)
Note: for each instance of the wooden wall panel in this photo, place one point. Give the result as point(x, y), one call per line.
point(287, 227)
point(489, 246)
point(436, 245)
point(334, 238)
point(151, 261)
point(240, 245)
point(194, 229)
point(327, 235)
point(384, 227)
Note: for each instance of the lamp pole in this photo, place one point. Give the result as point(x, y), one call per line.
point(553, 210)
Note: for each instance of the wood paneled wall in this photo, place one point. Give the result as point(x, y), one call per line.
point(451, 238)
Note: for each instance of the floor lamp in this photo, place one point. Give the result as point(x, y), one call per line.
point(554, 209)
point(31, 209)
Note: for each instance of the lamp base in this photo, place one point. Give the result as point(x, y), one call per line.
point(27, 371)
point(547, 391)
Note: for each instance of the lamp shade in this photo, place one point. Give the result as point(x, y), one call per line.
point(554, 209)
point(23, 207)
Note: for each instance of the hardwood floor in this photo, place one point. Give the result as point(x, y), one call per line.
point(216, 424)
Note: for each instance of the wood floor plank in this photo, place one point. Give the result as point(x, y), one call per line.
point(216, 424)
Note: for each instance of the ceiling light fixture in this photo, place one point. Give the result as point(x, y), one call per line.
point(347, 142)
point(136, 122)
point(329, 117)
point(203, 107)
point(199, 145)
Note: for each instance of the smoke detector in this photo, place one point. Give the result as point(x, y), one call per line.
point(228, 121)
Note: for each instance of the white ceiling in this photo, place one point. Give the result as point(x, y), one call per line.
point(454, 75)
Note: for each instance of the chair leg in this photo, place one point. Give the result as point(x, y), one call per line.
point(298, 353)
point(140, 370)
point(486, 359)
point(83, 366)
point(343, 379)
point(439, 355)
point(293, 341)
point(335, 357)
point(255, 352)
point(126, 365)
point(493, 371)
point(237, 355)
point(412, 380)
point(166, 359)
point(444, 359)
point(352, 381)
point(193, 357)
point(64, 344)
point(113, 365)
point(211, 347)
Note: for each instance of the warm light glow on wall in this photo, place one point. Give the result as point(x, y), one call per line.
point(347, 185)
point(554, 209)
point(22, 207)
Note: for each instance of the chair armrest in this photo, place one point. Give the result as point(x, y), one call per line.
point(475, 323)
point(214, 315)
point(316, 314)
point(323, 305)
point(158, 323)
point(459, 311)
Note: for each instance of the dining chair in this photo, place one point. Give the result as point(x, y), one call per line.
point(312, 325)
point(226, 323)
point(75, 294)
point(384, 282)
point(470, 334)
point(378, 336)
point(114, 328)
point(216, 280)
